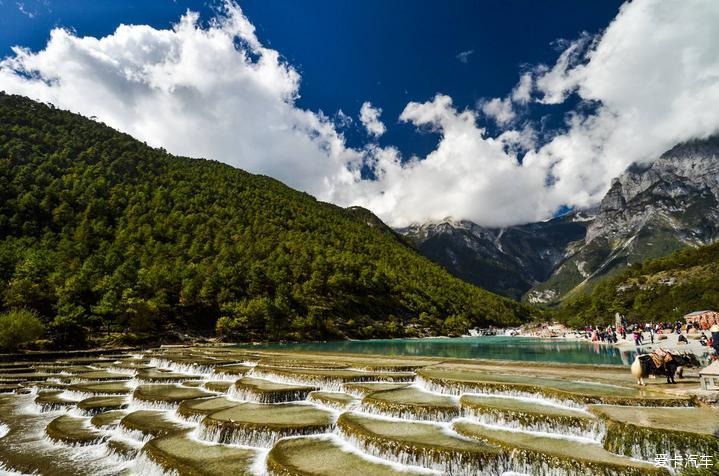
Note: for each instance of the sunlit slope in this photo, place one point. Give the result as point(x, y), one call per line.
point(99, 232)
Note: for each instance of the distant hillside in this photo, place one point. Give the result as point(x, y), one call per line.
point(102, 234)
point(662, 289)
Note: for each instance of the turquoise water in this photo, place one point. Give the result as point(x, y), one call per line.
point(487, 347)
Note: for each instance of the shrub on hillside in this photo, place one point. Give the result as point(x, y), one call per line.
point(19, 327)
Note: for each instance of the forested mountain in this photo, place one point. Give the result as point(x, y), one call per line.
point(650, 211)
point(663, 289)
point(101, 234)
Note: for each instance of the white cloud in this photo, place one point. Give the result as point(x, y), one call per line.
point(24, 10)
point(468, 175)
point(522, 92)
point(500, 110)
point(654, 78)
point(556, 82)
point(369, 117)
point(217, 92)
point(212, 92)
point(463, 56)
point(343, 120)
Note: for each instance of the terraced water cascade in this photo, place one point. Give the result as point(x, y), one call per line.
point(643, 433)
point(178, 453)
point(361, 390)
point(413, 403)
point(419, 443)
point(254, 424)
point(73, 431)
point(51, 400)
point(143, 425)
point(328, 379)
point(198, 408)
point(166, 397)
point(94, 405)
point(263, 390)
point(336, 400)
point(530, 414)
point(223, 410)
point(328, 456)
point(107, 420)
point(539, 453)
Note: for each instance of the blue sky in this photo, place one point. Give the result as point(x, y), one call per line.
point(348, 52)
point(499, 112)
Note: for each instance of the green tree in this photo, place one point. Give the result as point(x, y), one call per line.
point(456, 326)
point(101, 234)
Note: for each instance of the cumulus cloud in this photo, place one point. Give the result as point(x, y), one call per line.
point(467, 175)
point(503, 110)
point(652, 78)
point(654, 74)
point(369, 117)
point(500, 110)
point(212, 92)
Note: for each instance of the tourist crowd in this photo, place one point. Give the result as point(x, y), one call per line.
point(638, 333)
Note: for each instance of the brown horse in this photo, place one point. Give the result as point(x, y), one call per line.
point(644, 365)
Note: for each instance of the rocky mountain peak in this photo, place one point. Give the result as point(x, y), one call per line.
point(672, 190)
point(650, 210)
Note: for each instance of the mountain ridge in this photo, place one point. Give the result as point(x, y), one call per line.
point(649, 211)
point(511, 259)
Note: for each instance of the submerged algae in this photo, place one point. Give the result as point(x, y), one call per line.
point(179, 454)
point(73, 431)
point(323, 456)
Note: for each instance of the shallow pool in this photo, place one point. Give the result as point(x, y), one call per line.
point(486, 347)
